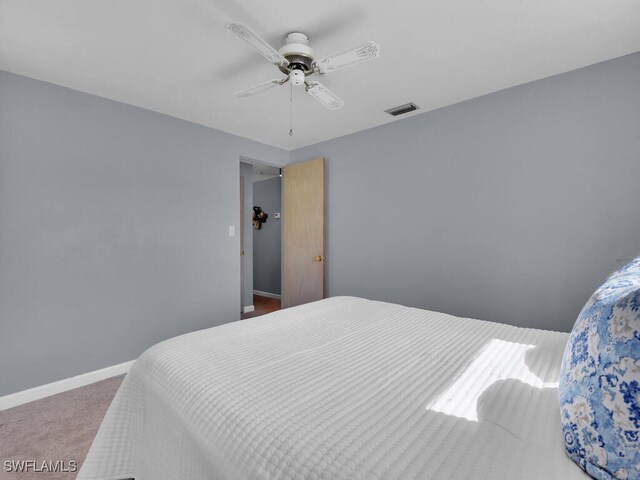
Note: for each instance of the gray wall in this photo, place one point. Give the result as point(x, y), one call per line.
point(246, 172)
point(510, 207)
point(113, 230)
point(114, 220)
point(267, 240)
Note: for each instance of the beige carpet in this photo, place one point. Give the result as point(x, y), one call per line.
point(60, 427)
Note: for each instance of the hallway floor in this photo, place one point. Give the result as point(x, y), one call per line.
point(262, 306)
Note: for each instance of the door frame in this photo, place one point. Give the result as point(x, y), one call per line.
point(253, 161)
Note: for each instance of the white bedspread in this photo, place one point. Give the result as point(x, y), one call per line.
point(344, 388)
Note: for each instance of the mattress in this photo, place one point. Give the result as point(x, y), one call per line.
point(343, 388)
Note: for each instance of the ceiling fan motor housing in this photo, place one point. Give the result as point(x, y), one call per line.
point(299, 54)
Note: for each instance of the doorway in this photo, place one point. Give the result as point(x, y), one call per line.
point(283, 254)
point(261, 238)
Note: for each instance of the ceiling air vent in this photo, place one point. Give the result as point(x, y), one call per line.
point(402, 109)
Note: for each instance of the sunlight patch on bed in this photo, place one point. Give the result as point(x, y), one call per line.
point(499, 360)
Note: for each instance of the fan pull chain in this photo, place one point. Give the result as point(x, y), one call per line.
point(291, 103)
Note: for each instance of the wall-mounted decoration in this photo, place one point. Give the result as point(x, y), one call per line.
point(259, 217)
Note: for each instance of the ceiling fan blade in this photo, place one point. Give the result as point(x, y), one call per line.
point(346, 58)
point(257, 43)
point(261, 87)
point(325, 96)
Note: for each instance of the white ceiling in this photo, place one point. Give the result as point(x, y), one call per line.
point(262, 171)
point(176, 57)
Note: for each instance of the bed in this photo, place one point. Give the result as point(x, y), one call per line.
point(344, 388)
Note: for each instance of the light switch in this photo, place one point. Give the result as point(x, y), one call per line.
point(276, 215)
point(232, 231)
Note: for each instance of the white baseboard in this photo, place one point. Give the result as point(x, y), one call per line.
point(266, 294)
point(248, 309)
point(36, 393)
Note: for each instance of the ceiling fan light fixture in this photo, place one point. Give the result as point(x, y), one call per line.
point(296, 77)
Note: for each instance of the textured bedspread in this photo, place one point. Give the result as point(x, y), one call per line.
point(344, 388)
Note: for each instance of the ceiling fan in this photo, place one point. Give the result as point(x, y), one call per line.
point(297, 61)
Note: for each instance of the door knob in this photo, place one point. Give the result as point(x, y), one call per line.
point(320, 258)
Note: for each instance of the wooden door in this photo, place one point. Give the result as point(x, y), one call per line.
point(303, 232)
